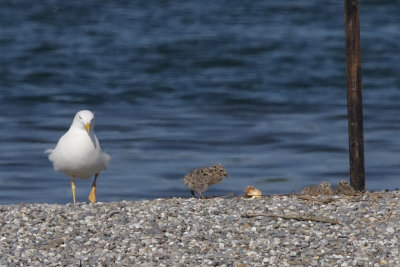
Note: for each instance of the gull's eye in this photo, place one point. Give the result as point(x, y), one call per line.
point(80, 117)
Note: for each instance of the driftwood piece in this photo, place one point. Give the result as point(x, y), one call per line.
point(314, 199)
point(293, 217)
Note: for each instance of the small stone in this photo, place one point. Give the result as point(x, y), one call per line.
point(390, 230)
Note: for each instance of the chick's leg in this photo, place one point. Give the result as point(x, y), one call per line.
point(201, 195)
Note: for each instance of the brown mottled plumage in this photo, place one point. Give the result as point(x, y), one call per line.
point(201, 178)
point(344, 188)
point(323, 188)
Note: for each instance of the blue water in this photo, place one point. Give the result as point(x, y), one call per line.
point(258, 86)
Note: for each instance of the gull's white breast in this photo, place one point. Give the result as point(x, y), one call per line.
point(78, 154)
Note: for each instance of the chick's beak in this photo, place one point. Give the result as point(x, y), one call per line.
point(87, 127)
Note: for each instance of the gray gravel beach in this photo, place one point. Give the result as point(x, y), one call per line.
point(278, 230)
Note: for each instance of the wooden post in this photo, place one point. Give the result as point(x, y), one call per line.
point(354, 94)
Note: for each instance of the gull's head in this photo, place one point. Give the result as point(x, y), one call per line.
point(84, 119)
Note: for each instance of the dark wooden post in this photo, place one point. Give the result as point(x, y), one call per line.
point(354, 94)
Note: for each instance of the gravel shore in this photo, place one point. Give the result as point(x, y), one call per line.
point(278, 230)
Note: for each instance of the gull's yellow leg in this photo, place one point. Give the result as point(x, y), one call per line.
point(73, 190)
point(92, 195)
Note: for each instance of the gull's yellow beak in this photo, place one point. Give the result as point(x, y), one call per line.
point(87, 127)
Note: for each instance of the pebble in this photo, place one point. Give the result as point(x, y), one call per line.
point(209, 232)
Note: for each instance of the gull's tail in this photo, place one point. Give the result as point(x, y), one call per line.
point(48, 151)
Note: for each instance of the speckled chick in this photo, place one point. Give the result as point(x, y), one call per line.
point(201, 178)
point(344, 188)
point(323, 188)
